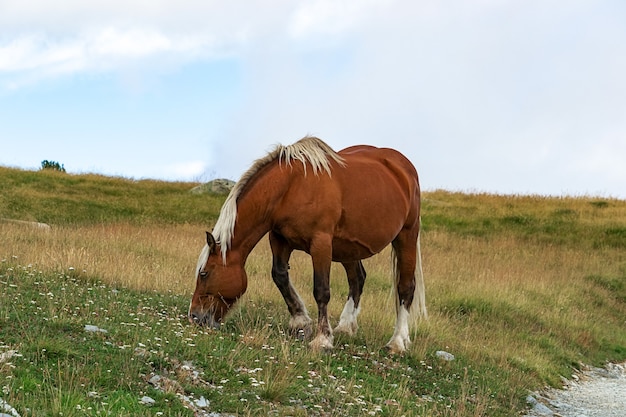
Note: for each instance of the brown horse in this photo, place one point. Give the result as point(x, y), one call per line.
point(341, 207)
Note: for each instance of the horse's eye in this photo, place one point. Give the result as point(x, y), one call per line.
point(203, 274)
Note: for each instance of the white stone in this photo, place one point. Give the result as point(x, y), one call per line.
point(202, 402)
point(4, 406)
point(94, 329)
point(145, 400)
point(442, 354)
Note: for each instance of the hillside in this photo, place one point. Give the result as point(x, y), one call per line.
point(520, 289)
point(63, 199)
point(57, 198)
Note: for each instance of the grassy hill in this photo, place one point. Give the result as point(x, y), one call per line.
point(54, 197)
point(521, 289)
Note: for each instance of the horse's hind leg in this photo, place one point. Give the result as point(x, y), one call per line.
point(405, 251)
point(300, 322)
point(356, 278)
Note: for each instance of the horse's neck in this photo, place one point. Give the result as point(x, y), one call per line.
point(253, 213)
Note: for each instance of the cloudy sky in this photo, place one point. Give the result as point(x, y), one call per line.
point(506, 96)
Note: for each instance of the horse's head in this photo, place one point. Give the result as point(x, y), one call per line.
point(218, 286)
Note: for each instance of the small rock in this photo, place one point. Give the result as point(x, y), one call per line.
point(94, 329)
point(145, 400)
point(538, 408)
point(155, 380)
point(4, 406)
point(202, 402)
point(441, 354)
point(141, 351)
point(217, 186)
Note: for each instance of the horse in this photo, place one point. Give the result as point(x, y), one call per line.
point(336, 206)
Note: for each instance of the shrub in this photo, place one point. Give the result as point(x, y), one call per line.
point(53, 165)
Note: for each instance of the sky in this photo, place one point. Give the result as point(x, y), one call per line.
point(497, 96)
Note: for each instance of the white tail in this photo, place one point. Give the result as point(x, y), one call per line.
point(418, 308)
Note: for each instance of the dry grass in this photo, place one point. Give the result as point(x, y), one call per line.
point(473, 274)
point(139, 257)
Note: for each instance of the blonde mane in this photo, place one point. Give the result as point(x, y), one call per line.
point(309, 150)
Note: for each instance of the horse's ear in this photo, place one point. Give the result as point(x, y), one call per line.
point(210, 240)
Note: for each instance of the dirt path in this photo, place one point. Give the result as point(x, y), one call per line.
point(596, 393)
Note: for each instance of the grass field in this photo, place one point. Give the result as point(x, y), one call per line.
point(521, 289)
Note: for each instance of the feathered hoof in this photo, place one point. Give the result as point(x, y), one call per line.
point(348, 328)
point(397, 345)
point(300, 327)
point(321, 343)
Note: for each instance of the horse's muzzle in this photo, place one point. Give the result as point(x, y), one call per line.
point(204, 320)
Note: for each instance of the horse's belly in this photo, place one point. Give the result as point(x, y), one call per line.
point(355, 249)
point(367, 227)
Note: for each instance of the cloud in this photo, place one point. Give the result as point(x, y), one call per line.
point(332, 17)
point(488, 94)
point(40, 41)
point(35, 57)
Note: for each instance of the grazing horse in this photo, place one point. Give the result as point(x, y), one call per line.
point(336, 206)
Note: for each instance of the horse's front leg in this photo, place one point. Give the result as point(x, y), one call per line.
point(300, 322)
point(356, 278)
point(321, 254)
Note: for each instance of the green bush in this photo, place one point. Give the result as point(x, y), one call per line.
point(53, 165)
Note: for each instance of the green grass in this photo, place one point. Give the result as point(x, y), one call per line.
point(58, 198)
point(576, 222)
point(242, 369)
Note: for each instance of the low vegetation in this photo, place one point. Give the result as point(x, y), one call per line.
point(53, 165)
point(522, 290)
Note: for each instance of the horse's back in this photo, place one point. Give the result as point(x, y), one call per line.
point(393, 160)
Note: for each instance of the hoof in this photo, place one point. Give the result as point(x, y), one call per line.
point(300, 327)
point(347, 321)
point(321, 342)
point(397, 346)
point(346, 328)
